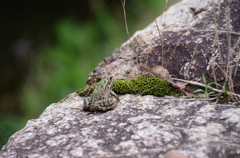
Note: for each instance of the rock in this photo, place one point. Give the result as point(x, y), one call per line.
point(147, 126)
point(187, 44)
point(174, 154)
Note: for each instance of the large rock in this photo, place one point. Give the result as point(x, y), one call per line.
point(149, 126)
point(194, 37)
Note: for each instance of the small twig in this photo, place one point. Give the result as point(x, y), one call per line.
point(125, 18)
point(161, 41)
point(202, 85)
point(190, 99)
point(191, 60)
point(238, 57)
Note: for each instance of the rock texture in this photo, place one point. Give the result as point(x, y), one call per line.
point(149, 126)
point(194, 37)
point(139, 127)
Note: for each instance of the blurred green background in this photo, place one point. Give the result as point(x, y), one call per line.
point(48, 48)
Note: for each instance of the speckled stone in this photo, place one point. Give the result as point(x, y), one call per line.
point(185, 44)
point(146, 126)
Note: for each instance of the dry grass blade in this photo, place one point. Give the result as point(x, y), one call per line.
point(161, 41)
point(125, 18)
point(216, 40)
point(191, 60)
point(228, 78)
point(165, 8)
point(238, 57)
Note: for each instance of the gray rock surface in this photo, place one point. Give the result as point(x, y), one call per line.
point(139, 127)
point(193, 38)
point(145, 126)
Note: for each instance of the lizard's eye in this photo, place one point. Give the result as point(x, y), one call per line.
point(110, 77)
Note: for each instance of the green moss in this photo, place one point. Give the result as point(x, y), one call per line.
point(92, 83)
point(93, 80)
point(121, 86)
point(85, 92)
point(176, 94)
point(145, 85)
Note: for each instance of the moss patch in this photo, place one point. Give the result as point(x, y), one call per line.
point(145, 85)
point(93, 80)
point(85, 92)
point(91, 85)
